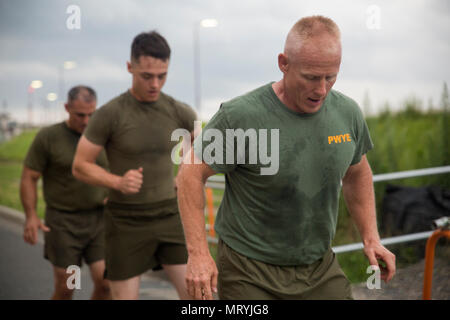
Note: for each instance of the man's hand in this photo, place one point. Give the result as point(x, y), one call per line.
point(131, 181)
point(377, 251)
point(201, 277)
point(30, 232)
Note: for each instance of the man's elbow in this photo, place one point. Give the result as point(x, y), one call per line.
point(76, 169)
point(75, 172)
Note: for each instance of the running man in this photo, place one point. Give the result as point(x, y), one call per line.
point(142, 223)
point(275, 230)
point(73, 228)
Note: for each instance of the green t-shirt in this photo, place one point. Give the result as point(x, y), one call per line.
point(51, 154)
point(286, 218)
point(138, 134)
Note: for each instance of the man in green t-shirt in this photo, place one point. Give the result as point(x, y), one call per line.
point(142, 223)
point(286, 149)
point(74, 210)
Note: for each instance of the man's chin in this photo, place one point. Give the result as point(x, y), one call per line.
point(152, 97)
point(307, 108)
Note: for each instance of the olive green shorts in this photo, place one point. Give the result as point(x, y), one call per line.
point(73, 236)
point(242, 278)
point(136, 243)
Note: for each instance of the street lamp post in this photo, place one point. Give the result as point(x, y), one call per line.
point(205, 23)
point(34, 85)
point(67, 65)
point(51, 97)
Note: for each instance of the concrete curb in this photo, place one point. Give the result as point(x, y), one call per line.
point(12, 215)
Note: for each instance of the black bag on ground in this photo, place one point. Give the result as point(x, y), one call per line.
point(410, 210)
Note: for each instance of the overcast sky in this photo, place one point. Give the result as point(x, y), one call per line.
point(403, 51)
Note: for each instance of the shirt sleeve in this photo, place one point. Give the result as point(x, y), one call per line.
point(212, 145)
point(37, 155)
point(186, 116)
point(363, 140)
point(99, 127)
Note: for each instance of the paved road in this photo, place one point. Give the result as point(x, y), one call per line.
point(25, 274)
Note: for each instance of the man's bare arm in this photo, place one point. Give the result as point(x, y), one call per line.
point(28, 190)
point(28, 197)
point(186, 145)
point(359, 196)
point(85, 169)
point(201, 273)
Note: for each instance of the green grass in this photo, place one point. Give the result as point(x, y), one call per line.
point(10, 181)
point(16, 149)
point(12, 154)
point(10, 173)
point(354, 264)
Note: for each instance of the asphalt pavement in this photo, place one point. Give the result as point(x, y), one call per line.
point(26, 275)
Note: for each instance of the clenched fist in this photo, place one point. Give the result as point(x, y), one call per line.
point(131, 181)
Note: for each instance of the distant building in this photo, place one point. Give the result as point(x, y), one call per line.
point(8, 127)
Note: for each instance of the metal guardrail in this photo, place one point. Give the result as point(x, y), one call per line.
point(385, 241)
point(359, 245)
point(218, 182)
point(410, 173)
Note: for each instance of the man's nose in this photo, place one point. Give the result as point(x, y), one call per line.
point(321, 88)
point(154, 82)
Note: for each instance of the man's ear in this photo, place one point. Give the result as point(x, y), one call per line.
point(66, 105)
point(129, 67)
point(283, 62)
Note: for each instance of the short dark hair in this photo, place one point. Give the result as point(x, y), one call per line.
point(82, 92)
point(150, 44)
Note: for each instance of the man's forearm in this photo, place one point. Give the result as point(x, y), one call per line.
point(360, 199)
point(191, 201)
point(93, 174)
point(28, 196)
point(362, 210)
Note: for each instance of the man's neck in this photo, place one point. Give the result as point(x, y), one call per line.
point(135, 96)
point(67, 123)
point(278, 88)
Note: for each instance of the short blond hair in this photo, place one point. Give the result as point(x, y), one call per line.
point(310, 27)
